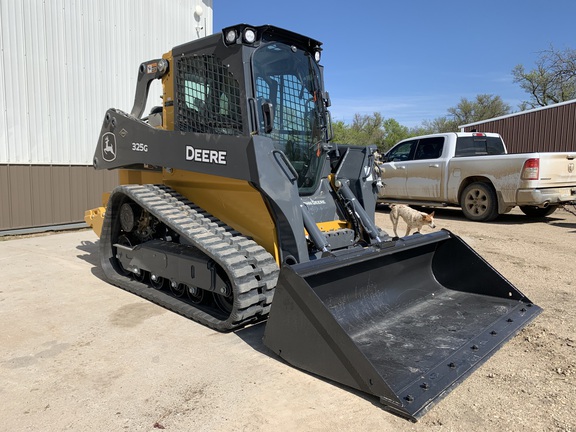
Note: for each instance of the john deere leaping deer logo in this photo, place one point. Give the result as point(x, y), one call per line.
point(108, 145)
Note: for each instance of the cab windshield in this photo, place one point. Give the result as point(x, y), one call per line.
point(289, 79)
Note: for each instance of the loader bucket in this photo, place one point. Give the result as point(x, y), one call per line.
point(406, 322)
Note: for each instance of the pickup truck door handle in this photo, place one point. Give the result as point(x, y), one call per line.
point(401, 167)
point(434, 166)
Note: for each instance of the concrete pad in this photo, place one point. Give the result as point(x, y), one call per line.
point(79, 354)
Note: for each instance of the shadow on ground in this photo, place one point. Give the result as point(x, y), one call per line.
point(92, 256)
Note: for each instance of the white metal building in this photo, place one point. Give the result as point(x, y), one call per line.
point(63, 63)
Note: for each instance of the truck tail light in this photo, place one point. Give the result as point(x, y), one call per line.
point(531, 169)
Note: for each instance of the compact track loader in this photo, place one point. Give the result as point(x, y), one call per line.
point(233, 207)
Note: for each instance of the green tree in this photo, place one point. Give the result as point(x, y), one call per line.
point(393, 132)
point(370, 129)
point(485, 107)
point(364, 130)
point(342, 133)
point(553, 80)
point(438, 125)
point(375, 129)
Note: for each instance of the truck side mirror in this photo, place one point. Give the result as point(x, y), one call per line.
point(268, 115)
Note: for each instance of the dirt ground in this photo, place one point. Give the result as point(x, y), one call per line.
point(78, 354)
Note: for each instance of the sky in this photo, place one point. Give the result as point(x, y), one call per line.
point(411, 60)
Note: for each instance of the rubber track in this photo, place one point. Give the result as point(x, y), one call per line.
point(252, 271)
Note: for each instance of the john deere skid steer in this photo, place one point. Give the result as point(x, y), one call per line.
point(233, 207)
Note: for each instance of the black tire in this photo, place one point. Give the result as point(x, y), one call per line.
point(479, 203)
point(534, 211)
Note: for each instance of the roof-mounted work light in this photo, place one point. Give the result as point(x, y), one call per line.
point(240, 34)
point(249, 35)
point(317, 55)
point(230, 36)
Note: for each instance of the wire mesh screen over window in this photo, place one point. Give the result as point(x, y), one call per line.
point(207, 97)
point(293, 110)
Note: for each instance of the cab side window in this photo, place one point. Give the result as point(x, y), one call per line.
point(403, 152)
point(429, 148)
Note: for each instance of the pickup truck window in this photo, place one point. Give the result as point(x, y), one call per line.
point(429, 148)
point(403, 152)
point(425, 148)
point(478, 146)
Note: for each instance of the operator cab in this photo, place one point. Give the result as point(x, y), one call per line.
point(291, 105)
point(287, 85)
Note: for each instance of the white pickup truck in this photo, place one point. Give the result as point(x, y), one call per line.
point(473, 171)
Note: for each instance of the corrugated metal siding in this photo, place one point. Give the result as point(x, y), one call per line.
point(545, 130)
point(64, 62)
point(36, 195)
point(3, 105)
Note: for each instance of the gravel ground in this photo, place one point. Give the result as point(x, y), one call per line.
point(78, 354)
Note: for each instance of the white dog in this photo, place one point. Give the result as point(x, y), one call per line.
point(413, 218)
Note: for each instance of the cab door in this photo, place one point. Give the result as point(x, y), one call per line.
point(424, 174)
point(394, 170)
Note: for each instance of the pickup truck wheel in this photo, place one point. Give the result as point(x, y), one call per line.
point(479, 203)
point(534, 211)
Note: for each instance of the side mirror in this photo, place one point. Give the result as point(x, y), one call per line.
point(327, 100)
point(329, 130)
point(268, 116)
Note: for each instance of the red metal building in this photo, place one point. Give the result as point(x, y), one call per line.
point(548, 129)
